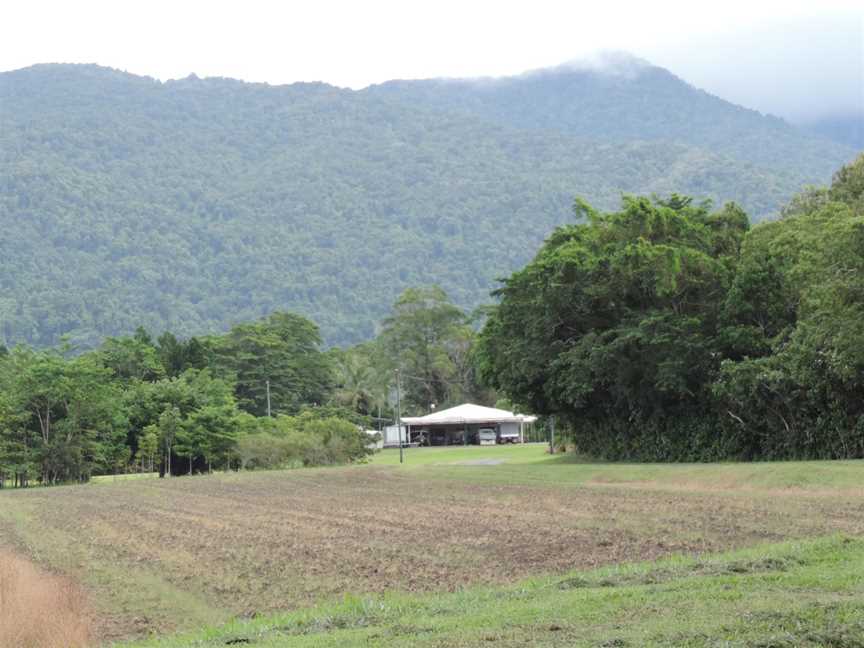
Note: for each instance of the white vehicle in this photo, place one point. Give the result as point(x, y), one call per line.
point(487, 436)
point(509, 433)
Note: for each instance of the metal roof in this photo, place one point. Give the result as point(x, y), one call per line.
point(468, 413)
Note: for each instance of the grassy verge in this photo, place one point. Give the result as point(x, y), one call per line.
point(520, 464)
point(111, 479)
point(39, 609)
point(804, 594)
point(117, 588)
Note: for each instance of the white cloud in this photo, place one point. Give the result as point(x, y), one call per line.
point(358, 43)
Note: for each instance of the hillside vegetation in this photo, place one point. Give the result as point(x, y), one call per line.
point(193, 205)
point(621, 98)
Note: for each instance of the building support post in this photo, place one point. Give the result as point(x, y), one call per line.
point(399, 416)
point(268, 398)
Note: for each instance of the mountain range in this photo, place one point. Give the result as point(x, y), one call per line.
point(193, 204)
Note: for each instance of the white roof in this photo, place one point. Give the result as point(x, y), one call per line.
point(468, 413)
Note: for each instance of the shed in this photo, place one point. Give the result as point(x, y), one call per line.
point(462, 424)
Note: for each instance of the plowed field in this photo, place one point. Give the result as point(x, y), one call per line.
point(159, 555)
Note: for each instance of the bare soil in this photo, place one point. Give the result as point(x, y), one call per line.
point(39, 609)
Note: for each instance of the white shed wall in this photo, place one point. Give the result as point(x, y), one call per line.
point(391, 434)
point(509, 428)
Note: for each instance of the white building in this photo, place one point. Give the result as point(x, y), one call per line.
point(460, 425)
point(391, 435)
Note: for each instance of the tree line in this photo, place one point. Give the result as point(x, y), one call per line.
point(263, 395)
point(668, 331)
point(176, 406)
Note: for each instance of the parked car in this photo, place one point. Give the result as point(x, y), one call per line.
point(487, 436)
point(508, 436)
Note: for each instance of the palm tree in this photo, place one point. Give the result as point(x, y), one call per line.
point(361, 383)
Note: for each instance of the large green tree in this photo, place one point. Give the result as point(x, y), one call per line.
point(429, 340)
point(283, 350)
point(74, 422)
point(614, 327)
point(791, 385)
point(362, 378)
point(664, 331)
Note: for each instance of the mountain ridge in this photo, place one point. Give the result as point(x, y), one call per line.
point(194, 204)
point(504, 99)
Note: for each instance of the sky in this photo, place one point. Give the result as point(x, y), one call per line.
point(795, 58)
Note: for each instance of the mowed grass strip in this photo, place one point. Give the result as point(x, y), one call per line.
point(519, 464)
point(804, 595)
point(174, 554)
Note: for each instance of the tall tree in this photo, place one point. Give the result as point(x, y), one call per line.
point(362, 379)
point(283, 350)
point(73, 409)
point(792, 380)
point(423, 326)
point(178, 355)
point(132, 358)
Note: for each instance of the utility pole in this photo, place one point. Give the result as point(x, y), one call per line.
point(399, 416)
point(268, 398)
point(552, 435)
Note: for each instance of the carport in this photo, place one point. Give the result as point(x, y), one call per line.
point(461, 425)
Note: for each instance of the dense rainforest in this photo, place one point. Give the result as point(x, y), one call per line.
point(666, 330)
point(670, 331)
point(196, 205)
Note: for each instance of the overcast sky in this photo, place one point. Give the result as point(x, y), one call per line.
point(795, 58)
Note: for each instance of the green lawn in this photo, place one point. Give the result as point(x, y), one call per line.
point(530, 453)
point(532, 464)
point(806, 594)
point(110, 479)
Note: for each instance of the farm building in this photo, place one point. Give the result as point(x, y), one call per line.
point(463, 424)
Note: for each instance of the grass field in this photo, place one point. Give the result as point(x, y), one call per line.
point(794, 595)
point(463, 546)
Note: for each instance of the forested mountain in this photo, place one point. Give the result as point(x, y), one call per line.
point(192, 205)
point(623, 98)
point(845, 128)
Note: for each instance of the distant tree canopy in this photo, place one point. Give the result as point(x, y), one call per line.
point(194, 205)
point(283, 350)
point(430, 341)
point(667, 331)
